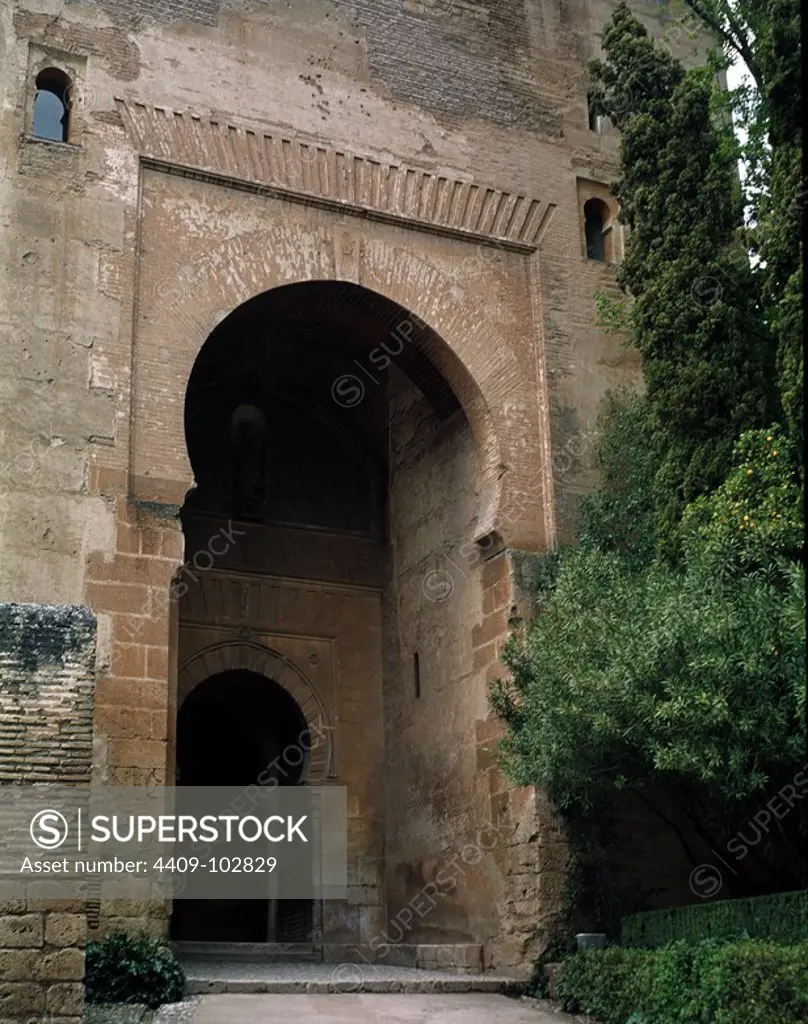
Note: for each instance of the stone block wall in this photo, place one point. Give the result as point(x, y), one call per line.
point(42, 961)
point(47, 677)
point(130, 591)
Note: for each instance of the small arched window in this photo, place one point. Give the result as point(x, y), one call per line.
point(596, 217)
point(248, 483)
point(52, 106)
point(594, 119)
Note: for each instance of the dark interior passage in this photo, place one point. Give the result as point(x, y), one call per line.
point(233, 730)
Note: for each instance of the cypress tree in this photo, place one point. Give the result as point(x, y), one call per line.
point(696, 315)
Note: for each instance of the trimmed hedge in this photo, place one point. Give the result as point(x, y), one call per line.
point(745, 982)
point(780, 918)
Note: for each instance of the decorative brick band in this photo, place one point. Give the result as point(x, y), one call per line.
point(310, 171)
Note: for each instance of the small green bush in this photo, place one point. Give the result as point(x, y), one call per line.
point(603, 983)
point(710, 982)
point(780, 918)
point(133, 969)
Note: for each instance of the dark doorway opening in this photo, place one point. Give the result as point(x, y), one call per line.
point(238, 728)
point(596, 215)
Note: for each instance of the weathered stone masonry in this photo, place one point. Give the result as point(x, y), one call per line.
point(47, 667)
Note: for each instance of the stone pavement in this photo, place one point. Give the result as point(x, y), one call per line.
point(229, 992)
point(367, 1008)
point(208, 977)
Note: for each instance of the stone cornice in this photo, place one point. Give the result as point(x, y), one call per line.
point(312, 172)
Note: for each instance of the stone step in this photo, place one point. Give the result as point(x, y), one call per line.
point(248, 952)
point(214, 978)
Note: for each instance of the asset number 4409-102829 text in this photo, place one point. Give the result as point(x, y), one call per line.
point(215, 865)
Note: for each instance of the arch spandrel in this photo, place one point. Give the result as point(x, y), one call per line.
point(472, 354)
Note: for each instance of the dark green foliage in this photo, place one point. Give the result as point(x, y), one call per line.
point(756, 516)
point(133, 969)
point(708, 359)
point(686, 682)
point(619, 516)
point(781, 194)
point(790, 360)
point(633, 679)
point(766, 34)
point(782, 917)
point(744, 982)
point(604, 983)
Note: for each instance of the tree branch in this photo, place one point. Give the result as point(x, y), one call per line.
point(736, 36)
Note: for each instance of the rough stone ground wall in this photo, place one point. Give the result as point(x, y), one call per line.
point(47, 674)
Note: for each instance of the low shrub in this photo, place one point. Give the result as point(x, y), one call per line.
point(781, 918)
point(602, 982)
point(132, 969)
point(756, 983)
point(709, 982)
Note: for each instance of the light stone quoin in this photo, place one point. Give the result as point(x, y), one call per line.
point(301, 367)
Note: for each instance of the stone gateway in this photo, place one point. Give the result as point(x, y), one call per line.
point(299, 361)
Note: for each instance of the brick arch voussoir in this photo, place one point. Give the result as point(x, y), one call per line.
point(479, 365)
point(264, 661)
